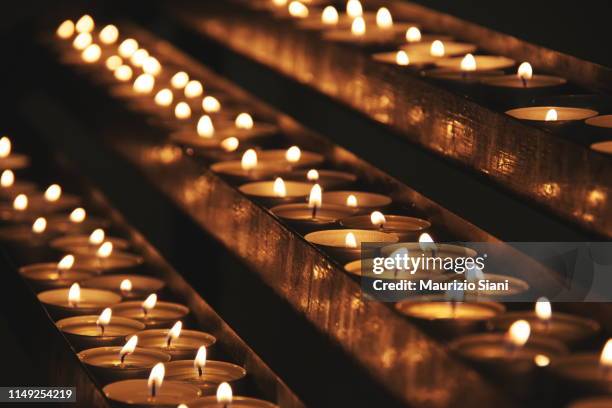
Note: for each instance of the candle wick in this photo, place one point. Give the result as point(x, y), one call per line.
point(153, 390)
point(144, 312)
point(101, 326)
point(199, 371)
point(314, 212)
point(524, 81)
point(168, 341)
point(122, 358)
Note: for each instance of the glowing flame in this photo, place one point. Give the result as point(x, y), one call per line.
point(125, 286)
point(156, 378)
point(113, 62)
point(123, 73)
point(65, 30)
point(358, 27)
point(230, 144)
point(541, 360)
point(384, 20)
point(437, 49)
point(413, 34)
point(174, 332)
point(193, 89)
point(149, 303)
point(518, 333)
point(179, 80)
point(468, 63)
point(5, 147)
point(105, 317)
point(377, 218)
point(78, 215)
point(139, 57)
point(551, 115)
point(7, 179)
point(53, 193)
point(182, 110)
point(74, 295)
point(82, 41)
point(350, 241)
point(280, 3)
point(85, 24)
point(151, 66)
point(205, 127)
point(224, 394)
point(329, 16)
point(298, 10)
point(351, 201)
point(244, 121)
point(200, 360)
point(279, 188)
point(128, 347)
point(144, 83)
point(109, 34)
point(293, 154)
point(97, 236)
point(127, 47)
point(20, 203)
point(543, 309)
point(210, 104)
point(606, 354)
point(39, 226)
point(249, 160)
point(312, 175)
point(354, 8)
point(315, 197)
point(164, 97)
point(66, 263)
point(105, 250)
point(425, 238)
point(525, 72)
point(401, 58)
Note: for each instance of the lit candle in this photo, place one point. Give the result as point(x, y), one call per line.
point(77, 300)
point(354, 8)
point(193, 89)
point(297, 9)
point(205, 127)
point(325, 178)
point(10, 188)
point(344, 244)
point(151, 312)
point(361, 201)
point(406, 228)
point(104, 257)
point(552, 115)
point(151, 66)
point(127, 48)
point(139, 57)
point(384, 20)
point(48, 275)
point(277, 191)
point(179, 343)
point(91, 53)
point(164, 97)
point(329, 16)
point(224, 398)
point(403, 59)
point(109, 35)
point(85, 24)
point(9, 159)
point(179, 80)
point(182, 111)
point(438, 48)
point(144, 84)
point(113, 62)
point(525, 80)
point(123, 73)
point(478, 63)
point(87, 244)
point(65, 30)
point(82, 41)
point(128, 286)
point(210, 104)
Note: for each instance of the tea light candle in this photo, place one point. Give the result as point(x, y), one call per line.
point(153, 313)
point(152, 392)
point(359, 200)
point(293, 157)
point(402, 59)
point(119, 363)
point(37, 234)
point(52, 200)
point(224, 398)
point(105, 258)
point(77, 221)
point(77, 301)
point(128, 286)
point(406, 228)
point(17, 211)
point(179, 343)
point(11, 188)
point(571, 330)
point(325, 178)
point(96, 331)
point(9, 159)
point(475, 63)
point(551, 115)
point(444, 317)
point(525, 79)
point(602, 124)
point(345, 243)
point(50, 275)
point(88, 243)
point(603, 147)
point(438, 48)
point(203, 373)
point(277, 191)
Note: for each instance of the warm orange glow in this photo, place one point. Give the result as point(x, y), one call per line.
point(354, 8)
point(468, 63)
point(606, 354)
point(312, 175)
point(128, 47)
point(543, 309)
point(78, 215)
point(279, 188)
point(249, 160)
point(39, 226)
point(182, 110)
point(205, 127)
point(151, 66)
point(293, 154)
point(179, 80)
point(200, 360)
point(65, 30)
point(144, 84)
point(210, 104)
point(329, 16)
point(351, 201)
point(105, 250)
point(384, 20)
point(109, 35)
point(85, 24)
point(20, 203)
point(53, 193)
point(224, 394)
point(358, 27)
point(525, 72)
point(97, 236)
point(156, 379)
point(105, 317)
point(125, 286)
point(174, 332)
point(315, 197)
point(244, 121)
point(129, 347)
point(113, 62)
point(139, 57)
point(413, 34)
point(230, 144)
point(123, 73)
point(551, 115)
point(425, 238)
point(5, 147)
point(298, 10)
point(437, 49)
point(518, 333)
point(91, 54)
point(401, 58)
point(193, 89)
point(280, 3)
point(7, 179)
point(377, 218)
point(66, 263)
point(541, 360)
point(82, 41)
point(350, 241)
point(149, 303)
point(164, 97)
point(74, 295)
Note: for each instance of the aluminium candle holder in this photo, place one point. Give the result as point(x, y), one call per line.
point(263, 192)
point(182, 348)
point(366, 202)
point(83, 331)
point(45, 276)
point(92, 302)
point(299, 216)
point(334, 242)
point(162, 315)
point(142, 286)
point(81, 244)
point(327, 179)
point(406, 228)
point(135, 392)
point(105, 362)
point(213, 374)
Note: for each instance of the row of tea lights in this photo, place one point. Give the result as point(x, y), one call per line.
point(444, 59)
point(288, 182)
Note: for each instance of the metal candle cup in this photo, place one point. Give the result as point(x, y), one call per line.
point(328, 179)
point(451, 48)
point(538, 114)
point(83, 331)
point(164, 314)
point(117, 261)
point(106, 364)
point(213, 374)
point(483, 63)
point(306, 159)
point(38, 203)
point(44, 276)
point(184, 347)
point(414, 60)
point(136, 393)
point(92, 301)
point(264, 170)
point(142, 286)
point(81, 244)
point(300, 215)
point(334, 241)
point(223, 131)
point(406, 228)
point(373, 35)
point(14, 161)
point(263, 191)
point(237, 402)
point(366, 202)
point(62, 223)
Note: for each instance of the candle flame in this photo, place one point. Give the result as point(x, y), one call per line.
point(329, 16)
point(179, 80)
point(65, 30)
point(200, 359)
point(149, 303)
point(224, 394)
point(139, 57)
point(244, 121)
point(377, 218)
point(279, 3)
point(518, 333)
point(151, 66)
point(312, 175)
point(113, 62)
point(315, 197)
point(525, 72)
point(541, 360)
point(358, 27)
point(97, 236)
point(20, 203)
point(127, 47)
point(144, 83)
point(249, 160)
point(298, 10)
point(210, 104)
point(425, 238)
point(66, 263)
point(551, 115)
point(39, 226)
point(543, 309)
point(230, 144)
point(123, 73)
point(85, 24)
point(105, 317)
point(193, 89)
point(125, 286)
point(174, 332)
point(468, 63)
point(78, 215)
point(350, 241)
point(384, 20)
point(5, 147)
point(109, 34)
point(74, 295)
point(105, 250)
point(182, 110)
point(437, 49)
point(606, 354)
point(205, 127)
point(401, 58)
point(82, 41)
point(279, 188)
point(156, 378)
point(53, 193)
point(351, 201)
point(129, 347)
point(354, 8)
point(293, 154)
point(164, 97)
point(7, 179)
point(413, 34)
